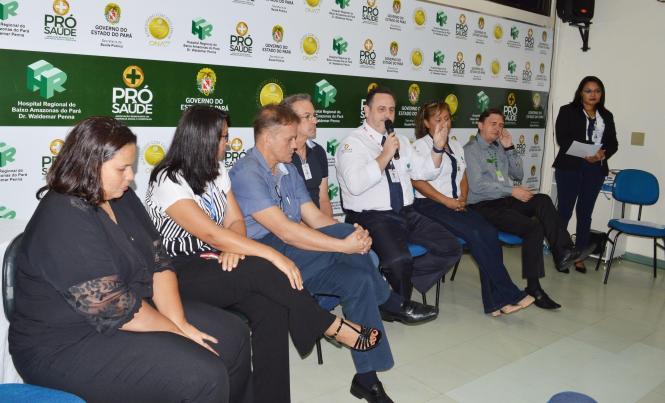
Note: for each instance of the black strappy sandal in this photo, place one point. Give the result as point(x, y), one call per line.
point(363, 341)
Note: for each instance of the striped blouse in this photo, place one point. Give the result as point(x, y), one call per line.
point(164, 192)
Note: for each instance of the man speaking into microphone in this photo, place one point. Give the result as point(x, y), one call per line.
point(374, 169)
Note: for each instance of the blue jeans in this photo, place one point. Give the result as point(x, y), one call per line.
point(352, 278)
point(582, 186)
point(497, 289)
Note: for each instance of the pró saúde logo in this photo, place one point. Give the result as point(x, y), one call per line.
point(201, 28)
point(57, 24)
point(458, 64)
point(43, 76)
point(234, 151)
point(54, 149)
point(242, 42)
point(370, 12)
point(528, 39)
point(461, 29)
point(8, 9)
point(367, 53)
point(510, 108)
point(132, 103)
point(526, 73)
point(324, 93)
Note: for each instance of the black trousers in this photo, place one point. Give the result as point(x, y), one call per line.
point(152, 366)
point(533, 221)
point(579, 188)
point(391, 233)
point(261, 292)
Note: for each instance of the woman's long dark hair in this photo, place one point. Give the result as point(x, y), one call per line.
point(78, 168)
point(577, 99)
point(193, 150)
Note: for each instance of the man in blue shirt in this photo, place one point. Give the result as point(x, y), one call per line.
point(331, 256)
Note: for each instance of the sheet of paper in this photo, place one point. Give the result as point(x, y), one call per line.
point(582, 150)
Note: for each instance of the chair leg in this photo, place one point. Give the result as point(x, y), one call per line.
point(438, 292)
point(452, 278)
point(319, 353)
point(602, 252)
point(424, 297)
point(655, 256)
point(609, 261)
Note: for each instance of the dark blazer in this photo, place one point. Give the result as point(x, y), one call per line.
point(571, 126)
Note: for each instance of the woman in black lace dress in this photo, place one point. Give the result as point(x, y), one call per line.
point(98, 312)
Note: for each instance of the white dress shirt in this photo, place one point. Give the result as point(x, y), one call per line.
point(363, 184)
point(442, 182)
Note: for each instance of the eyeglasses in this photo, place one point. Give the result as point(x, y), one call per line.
point(309, 116)
point(594, 91)
point(224, 137)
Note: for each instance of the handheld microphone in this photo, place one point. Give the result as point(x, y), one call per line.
point(390, 129)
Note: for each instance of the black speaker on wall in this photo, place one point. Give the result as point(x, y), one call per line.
point(575, 11)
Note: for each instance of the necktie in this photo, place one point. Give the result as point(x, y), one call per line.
point(396, 198)
point(453, 174)
point(590, 129)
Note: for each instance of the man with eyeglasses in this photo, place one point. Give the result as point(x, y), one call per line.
point(375, 167)
point(310, 158)
point(331, 256)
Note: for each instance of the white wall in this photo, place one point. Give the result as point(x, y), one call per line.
point(627, 41)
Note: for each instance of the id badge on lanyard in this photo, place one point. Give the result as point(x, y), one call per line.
point(394, 176)
point(306, 171)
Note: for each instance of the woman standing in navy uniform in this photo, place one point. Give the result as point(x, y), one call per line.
point(579, 179)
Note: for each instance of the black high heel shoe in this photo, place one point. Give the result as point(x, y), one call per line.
point(363, 342)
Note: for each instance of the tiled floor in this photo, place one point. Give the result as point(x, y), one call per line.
point(608, 341)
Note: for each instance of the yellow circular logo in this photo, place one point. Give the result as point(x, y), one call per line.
point(159, 28)
point(56, 146)
point(452, 102)
point(153, 154)
point(312, 3)
point(132, 76)
point(498, 31)
point(371, 3)
point(522, 139)
point(236, 144)
point(481, 23)
point(419, 17)
point(462, 19)
point(496, 67)
point(371, 86)
point(242, 28)
point(460, 57)
point(368, 44)
point(60, 7)
point(511, 99)
point(417, 57)
point(271, 93)
point(310, 45)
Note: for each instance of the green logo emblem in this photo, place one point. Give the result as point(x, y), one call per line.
point(8, 214)
point(324, 93)
point(438, 57)
point(7, 154)
point(340, 45)
point(47, 79)
point(441, 18)
point(333, 191)
point(8, 9)
point(343, 3)
point(514, 33)
point(482, 101)
point(331, 146)
point(512, 66)
point(201, 28)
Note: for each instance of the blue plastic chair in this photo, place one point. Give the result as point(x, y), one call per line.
point(634, 186)
point(505, 239)
point(330, 302)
